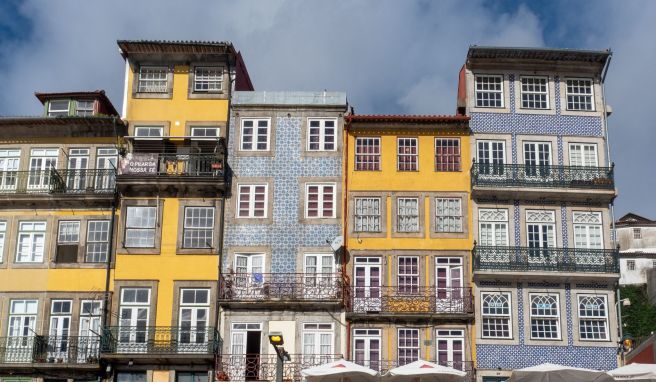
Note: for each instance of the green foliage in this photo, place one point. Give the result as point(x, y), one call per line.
point(640, 318)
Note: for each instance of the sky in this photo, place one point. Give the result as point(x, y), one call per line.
point(391, 57)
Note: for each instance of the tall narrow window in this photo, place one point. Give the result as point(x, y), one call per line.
point(489, 91)
point(447, 154)
point(408, 274)
point(76, 176)
point(408, 152)
point(583, 154)
point(134, 312)
point(106, 161)
point(31, 242)
point(97, 241)
point(448, 215)
point(580, 95)
point(9, 160)
point(541, 235)
point(194, 315)
point(90, 315)
point(537, 159)
point(21, 330)
point(317, 342)
point(408, 214)
point(493, 227)
point(535, 92)
point(630, 265)
point(249, 274)
point(545, 317)
point(588, 230)
point(140, 227)
point(367, 154)
point(153, 79)
point(208, 79)
point(321, 134)
point(496, 315)
point(593, 318)
point(42, 163)
point(255, 134)
point(198, 227)
point(60, 325)
point(3, 231)
point(491, 157)
point(253, 200)
point(451, 348)
point(68, 241)
point(367, 215)
point(367, 347)
point(408, 346)
point(320, 200)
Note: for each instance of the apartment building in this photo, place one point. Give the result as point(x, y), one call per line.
point(636, 236)
point(57, 197)
point(544, 264)
point(172, 183)
point(282, 260)
point(408, 239)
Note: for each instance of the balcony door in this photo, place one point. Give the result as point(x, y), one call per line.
point(106, 162)
point(540, 236)
point(491, 158)
point(537, 159)
point(89, 334)
point(246, 344)
point(319, 276)
point(448, 283)
point(21, 331)
point(588, 238)
point(60, 326)
point(194, 314)
point(134, 313)
point(318, 339)
point(451, 348)
point(367, 293)
point(42, 163)
point(78, 162)
point(249, 275)
point(367, 348)
point(9, 161)
point(493, 233)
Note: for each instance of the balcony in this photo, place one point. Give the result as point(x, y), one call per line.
point(554, 182)
point(573, 261)
point(262, 367)
point(242, 289)
point(409, 302)
point(58, 354)
point(153, 344)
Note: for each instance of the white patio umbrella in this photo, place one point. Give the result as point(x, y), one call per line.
point(549, 372)
point(643, 372)
point(339, 371)
point(424, 371)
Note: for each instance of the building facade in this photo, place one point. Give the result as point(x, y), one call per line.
point(57, 197)
point(408, 240)
point(282, 258)
point(544, 262)
point(636, 236)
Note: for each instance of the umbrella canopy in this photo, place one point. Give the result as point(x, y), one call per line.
point(339, 371)
point(424, 371)
point(635, 372)
point(548, 372)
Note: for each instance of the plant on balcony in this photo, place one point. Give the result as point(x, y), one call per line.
point(222, 376)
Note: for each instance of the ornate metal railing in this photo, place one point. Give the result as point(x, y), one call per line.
point(411, 300)
point(173, 165)
point(545, 259)
point(55, 181)
point(522, 175)
point(262, 367)
point(160, 340)
point(280, 286)
point(50, 349)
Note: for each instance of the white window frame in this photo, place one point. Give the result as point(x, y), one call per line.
point(603, 319)
point(136, 228)
point(582, 147)
point(416, 215)
point(63, 236)
point(317, 330)
point(497, 316)
point(322, 134)
point(544, 316)
point(455, 222)
point(630, 265)
point(251, 194)
point(3, 232)
point(58, 112)
point(9, 165)
point(493, 91)
point(193, 334)
point(399, 347)
point(86, 111)
point(450, 335)
point(366, 335)
point(375, 163)
point(141, 82)
point(591, 95)
point(205, 129)
point(367, 218)
point(321, 200)
point(255, 134)
point(534, 93)
point(93, 241)
point(191, 228)
point(23, 229)
point(495, 224)
point(24, 318)
point(209, 79)
point(158, 129)
point(584, 229)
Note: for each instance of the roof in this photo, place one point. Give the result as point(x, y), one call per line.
point(129, 47)
point(409, 118)
point(295, 98)
point(547, 54)
point(95, 94)
point(632, 219)
point(63, 126)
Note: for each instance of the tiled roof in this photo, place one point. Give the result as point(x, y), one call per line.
point(547, 54)
point(179, 46)
point(398, 118)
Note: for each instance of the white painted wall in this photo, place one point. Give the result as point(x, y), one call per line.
point(637, 276)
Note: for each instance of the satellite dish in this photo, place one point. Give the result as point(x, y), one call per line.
point(337, 243)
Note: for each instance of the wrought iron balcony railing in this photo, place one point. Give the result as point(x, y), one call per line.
point(491, 175)
point(280, 286)
point(160, 340)
point(262, 367)
point(50, 349)
point(172, 165)
point(55, 181)
point(523, 259)
point(411, 300)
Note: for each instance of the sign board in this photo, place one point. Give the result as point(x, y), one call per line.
point(138, 164)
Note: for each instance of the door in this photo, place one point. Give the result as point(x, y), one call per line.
point(367, 347)
point(194, 312)
point(317, 344)
point(448, 282)
point(493, 234)
point(540, 234)
point(451, 348)
point(134, 313)
point(76, 176)
point(319, 277)
point(367, 294)
point(106, 169)
point(21, 331)
point(245, 348)
point(249, 277)
point(42, 163)
point(9, 161)
point(88, 342)
point(60, 325)
point(537, 159)
point(491, 158)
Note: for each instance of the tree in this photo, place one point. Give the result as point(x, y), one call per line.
point(639, 318)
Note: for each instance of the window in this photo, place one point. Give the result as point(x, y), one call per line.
point(581, 154)
point(408, 215)
point(496, 315)
point(407, 154)
point(541, 234)
point(593, 318)
point(321, 134)
point(60, 325)
point(317, 339)
point(3, 230)
point(489, 91)
point(9, 160)
point(22, 319)
point(408, 274)
point(448, 215)
point(148, 131)
point(451, 348)
point(198, 227)
point(191, 377)
point(209, 133)
point(194, 314)
point(68, 238)
point(57, 108)
point(253, 201)
point(208, 79)
point(408, 346)
point(97, 241)
point(545, 317)
point(42, 162)
point(255, 135)
point(367, 215)
point(535, 92)
point(320, 200)
point(367, 154)
point(491, 157)
point(493, 227)
point(587, 230)
point(134, 312)
point(153, 79)
point(637, 233)
point(84, 108)
point(537, 159)
point(140, 227)
point(131, 377)
point(579, 94)
point(31, 242)
point(653, 264)
point(367, 347)
point(447, 154)
point(90, 315)
point(630, 265)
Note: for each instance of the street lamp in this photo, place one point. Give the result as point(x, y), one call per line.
point(276, 340)
point(618, 305)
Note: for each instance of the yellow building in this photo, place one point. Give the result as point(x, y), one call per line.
point(408, 239)
point(171, 181)
point(57, 194)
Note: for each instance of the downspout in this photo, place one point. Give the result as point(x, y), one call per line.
point(110, 249)
point(347, 291)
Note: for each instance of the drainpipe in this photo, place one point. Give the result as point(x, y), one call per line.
point(110, 248)
point(345, 157)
